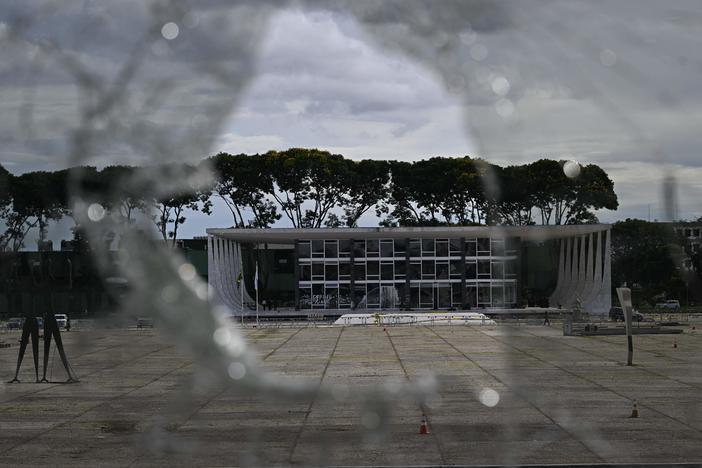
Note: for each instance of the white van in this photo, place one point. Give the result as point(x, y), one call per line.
point(61, 320)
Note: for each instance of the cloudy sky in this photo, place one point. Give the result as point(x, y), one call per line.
point(615, 84)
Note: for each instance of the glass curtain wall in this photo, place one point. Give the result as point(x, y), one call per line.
point(417, 274)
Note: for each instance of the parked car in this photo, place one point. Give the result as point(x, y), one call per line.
point(61, 320)
point(15, 323)
point(617, 314)
point(670, 304)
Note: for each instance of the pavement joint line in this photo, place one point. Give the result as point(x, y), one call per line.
point(92, 408)
point(561, 368)
point(314, 398)
point(54, 385)
point(218, 394)
point(528, 401)
point(422, 406)
point(636, 367)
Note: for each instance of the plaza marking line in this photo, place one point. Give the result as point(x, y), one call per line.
point(553, 421)
point(561, 368)
point(226, 387)
point(609, 358)
point(74, 360)
point(422, 406)
point(314, 398)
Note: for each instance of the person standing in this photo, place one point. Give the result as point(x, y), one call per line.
point(547, 322)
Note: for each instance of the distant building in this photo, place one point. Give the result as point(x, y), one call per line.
point(412, 268)
point(690, 236)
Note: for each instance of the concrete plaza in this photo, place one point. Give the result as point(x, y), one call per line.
point(561, 400)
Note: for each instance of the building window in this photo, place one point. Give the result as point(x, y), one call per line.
point(345, 248)
point(442, 270)
point(386, 271)
point(373, 272)
point(471, 248)
point(318, 271)
point(400, 247)
point(317, 248)
point(428, 249)
point(344, 270)
point(359, 248)
point(386, 248)
point(427, 269)
point(331, 249)
point(304, 249)
point(372, 248)
point(483, 247)
point(306, 272)
point(455, 247)
point(359, 271)
point(442, 248)
point(415, 248)
point(331, 272)
point(483, 268)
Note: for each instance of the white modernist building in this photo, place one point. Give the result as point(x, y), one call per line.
point(413, 268)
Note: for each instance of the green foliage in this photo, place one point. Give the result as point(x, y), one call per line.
point(242, 182)
point(642, 256)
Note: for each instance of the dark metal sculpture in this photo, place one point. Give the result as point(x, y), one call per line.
point(51, 330)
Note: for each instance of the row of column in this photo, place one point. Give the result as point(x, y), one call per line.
point(225, 273)
point(584, 273)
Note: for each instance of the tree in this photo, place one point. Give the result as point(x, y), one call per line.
point(562, 200)
point(119, 193)
point(517, 195)
point(171, 207)
point(37, 199)
point(5, 204)
point(242, 183)
point(307, 184)
point(437, 191)
point(642, 256)
point(367, 185)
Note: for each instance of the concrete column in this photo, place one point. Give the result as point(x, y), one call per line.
point(582, 272)
point(607, 274)
point(296, 269)
point(463, 273)
point(555, 297)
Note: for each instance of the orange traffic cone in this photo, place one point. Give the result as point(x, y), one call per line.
point(634, 411)
point(424, 429)
point(675, 343)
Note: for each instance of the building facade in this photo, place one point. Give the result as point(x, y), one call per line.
point(413, 268)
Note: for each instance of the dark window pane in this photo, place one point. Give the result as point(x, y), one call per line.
point(372, 246)
point(304, 249)
point(344, 248)
point(359, 292)
point(483, 244)
point(456, 295)
point(400, 267)
point(330, 249)
point(428, 269)
point(359, 248)
point(442, 249)
point(318, 271)
point(415, 271)
point(386, 249)
point(471, 297)
point(455, 269)
point(498, 248)
point(331, 272)
point(373, 268)
point(428, 247)
point(344, 270)
point(442, 270)
point(497, 296)
point(414, 248)
point(471, 270)
point(426, 296)
point(455, 246)
point(484, 267)
point(317, 247)
point(386, 272)
point(484, 294)
point(305, 272)
point(471, 248)
point(498, 270)
point(400, 247)
point(359, 271)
